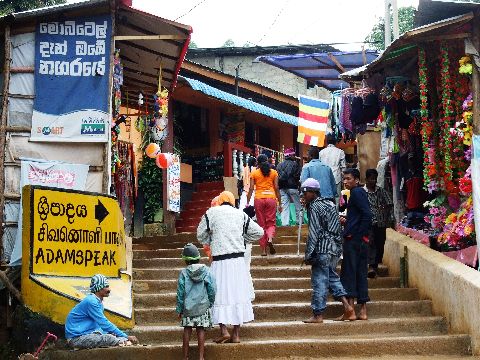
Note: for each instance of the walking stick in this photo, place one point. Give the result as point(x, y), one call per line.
point(300, 220)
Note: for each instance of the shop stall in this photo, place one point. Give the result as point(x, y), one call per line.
point(424, 89)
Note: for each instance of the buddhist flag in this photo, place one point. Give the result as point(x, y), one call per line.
point(312, 120)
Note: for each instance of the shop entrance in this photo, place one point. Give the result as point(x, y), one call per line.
point(191, 129)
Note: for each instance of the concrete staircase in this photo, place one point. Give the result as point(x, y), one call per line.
point(400, 325)
point(198, 204)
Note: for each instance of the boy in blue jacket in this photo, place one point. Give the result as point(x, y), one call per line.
point(195, 297)
point(355, 247)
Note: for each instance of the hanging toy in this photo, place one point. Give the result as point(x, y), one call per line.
point(164, 160)
point(159, 130)
point(152, 150)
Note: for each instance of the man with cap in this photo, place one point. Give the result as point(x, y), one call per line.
point(288, 181)
point(87, 327)
point(322, 251)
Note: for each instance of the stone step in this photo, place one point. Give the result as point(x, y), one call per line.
point(433, 325)
point(139, 252)
point(190, 222)
point(295, 311)
point(210, 186)
point(277, 260)
point(204, 195)
point(274, 296)
point(179, 240)
point(274, 348)
point(257, 272)
point(191, 230)
point(164, 240)
point(156, 286)
point(197, 204)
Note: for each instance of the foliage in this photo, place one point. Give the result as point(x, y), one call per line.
point(376, 37)
point(192, 45)
point(228, 43)
point(151, 183)
point(10, 6)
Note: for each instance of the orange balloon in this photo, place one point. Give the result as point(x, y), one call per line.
point(152, 150)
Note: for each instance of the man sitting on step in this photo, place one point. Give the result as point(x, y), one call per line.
point(87, 327)
point(322, 251)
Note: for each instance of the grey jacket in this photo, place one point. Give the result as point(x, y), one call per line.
point(196, 290)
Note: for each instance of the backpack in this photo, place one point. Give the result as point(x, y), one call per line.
point(196, 299)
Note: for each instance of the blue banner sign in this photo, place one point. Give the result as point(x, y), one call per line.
point(72, 71)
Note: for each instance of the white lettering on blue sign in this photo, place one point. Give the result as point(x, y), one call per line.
point(89, 28)
point(76, 67)
point(80, 65)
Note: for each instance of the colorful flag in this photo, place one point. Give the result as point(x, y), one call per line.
point(312, 120)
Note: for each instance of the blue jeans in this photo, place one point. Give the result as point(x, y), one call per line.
point(288, 196)
point(324, 277)
point(355, 269)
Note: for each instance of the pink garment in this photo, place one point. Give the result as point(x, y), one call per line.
point(266, 211)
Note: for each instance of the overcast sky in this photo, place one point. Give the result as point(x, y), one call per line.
point(273, 22)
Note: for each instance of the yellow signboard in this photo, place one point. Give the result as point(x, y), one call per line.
point(76, 234)
point(69, 236)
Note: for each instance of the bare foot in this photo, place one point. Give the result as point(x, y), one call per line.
point(363, 313)
point(315, 319)
point(222, 339)
point(349, 314)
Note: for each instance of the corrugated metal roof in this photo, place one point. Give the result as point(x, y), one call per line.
point(322, 69)
point(54, 8)
point(241, 102)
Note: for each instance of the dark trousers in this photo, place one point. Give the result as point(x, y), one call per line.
point(354, 269)
point(376, 237)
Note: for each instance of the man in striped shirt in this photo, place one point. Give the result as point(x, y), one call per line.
point(323, 249)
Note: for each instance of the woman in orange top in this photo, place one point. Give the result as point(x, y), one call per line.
point(264, 180)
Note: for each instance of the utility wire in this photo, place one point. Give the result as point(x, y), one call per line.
point(273, 23)
point(266, 32)
point(189, 11)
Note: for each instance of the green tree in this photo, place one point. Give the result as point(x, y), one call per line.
point(228, 43)
point(11, 6)
point(192, 45)
point(376, 37)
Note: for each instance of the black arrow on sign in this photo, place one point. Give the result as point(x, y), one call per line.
point(100, 212)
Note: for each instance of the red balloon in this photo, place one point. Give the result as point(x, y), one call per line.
point(162, 161)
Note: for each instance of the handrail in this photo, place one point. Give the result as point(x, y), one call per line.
point(229, 167)
point(277, 156)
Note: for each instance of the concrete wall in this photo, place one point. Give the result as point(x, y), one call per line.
point(264, 74)
point(453, 287)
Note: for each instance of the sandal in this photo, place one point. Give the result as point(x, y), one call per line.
point(271, 248)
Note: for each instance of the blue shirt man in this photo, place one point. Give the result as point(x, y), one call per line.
point(321, 172)
point(86, 325)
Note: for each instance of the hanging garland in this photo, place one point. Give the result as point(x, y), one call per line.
point(426, 129)
point(448, 113)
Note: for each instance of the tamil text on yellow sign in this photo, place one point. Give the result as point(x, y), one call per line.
point(76, 234)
